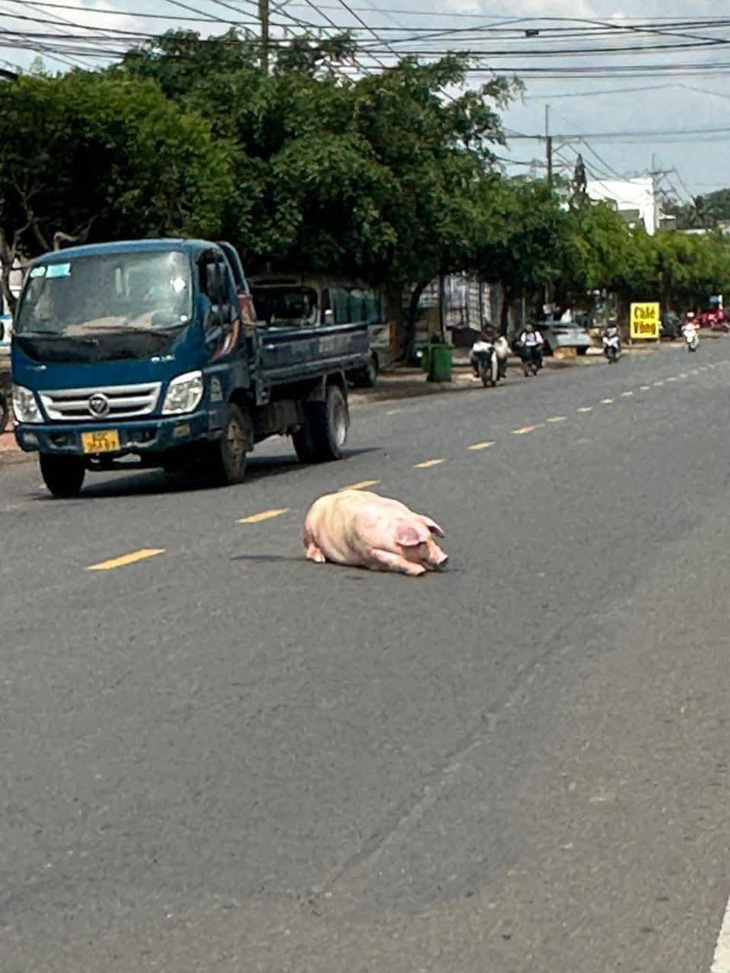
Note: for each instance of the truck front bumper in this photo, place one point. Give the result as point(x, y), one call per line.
point(135, 437)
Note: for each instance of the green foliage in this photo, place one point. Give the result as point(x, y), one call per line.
point(88, 149)
point(384, 177)
point(374, 176)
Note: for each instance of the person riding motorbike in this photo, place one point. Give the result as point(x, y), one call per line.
point(611, 341)
point(691, 330)
point(484, 345)
point(530, 343)
point(501, 346)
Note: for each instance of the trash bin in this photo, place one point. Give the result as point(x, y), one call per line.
point(439, 363)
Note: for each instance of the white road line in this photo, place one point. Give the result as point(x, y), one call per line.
point(645, 388)
point(477, 447)
point(626, 395)
point(606, 401)
point(558, 419)
point(659, 384)
point(672, 379)
point(721, 962)
point(586, 408)
point(394, 412)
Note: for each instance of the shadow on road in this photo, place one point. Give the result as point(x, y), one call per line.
point(155, 482)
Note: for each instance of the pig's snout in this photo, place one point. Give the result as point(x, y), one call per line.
point(442, 560)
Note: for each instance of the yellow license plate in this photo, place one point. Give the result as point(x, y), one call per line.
point(104, 441)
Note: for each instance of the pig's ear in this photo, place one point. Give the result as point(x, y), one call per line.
point(409, 535)
point(433, 527)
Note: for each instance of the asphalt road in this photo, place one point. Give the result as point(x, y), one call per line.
point(225, 758)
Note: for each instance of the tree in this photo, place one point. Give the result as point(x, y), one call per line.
point(373, 178)
point(92, 156)
point(522, 239)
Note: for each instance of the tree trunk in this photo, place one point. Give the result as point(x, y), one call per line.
point(507, 297)
point(410, 329)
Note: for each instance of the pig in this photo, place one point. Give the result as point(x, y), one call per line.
point(366, 530)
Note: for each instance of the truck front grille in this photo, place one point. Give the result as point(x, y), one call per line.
point(98, 404)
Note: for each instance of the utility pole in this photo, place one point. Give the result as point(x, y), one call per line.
point(264, 18)
point(549, 147)
point(549, 150)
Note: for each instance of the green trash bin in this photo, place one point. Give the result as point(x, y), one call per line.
point(439, 363)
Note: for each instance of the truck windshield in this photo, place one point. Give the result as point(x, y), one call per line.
point(285, 306)
point(106, 293)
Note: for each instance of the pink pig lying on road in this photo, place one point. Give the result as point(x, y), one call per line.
point(368, 531)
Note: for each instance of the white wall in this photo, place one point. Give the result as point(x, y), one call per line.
point(628, 194)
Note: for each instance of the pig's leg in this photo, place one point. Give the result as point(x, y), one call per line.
point(314, 553)
point(394, 562)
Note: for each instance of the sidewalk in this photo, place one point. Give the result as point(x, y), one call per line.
point(405, 383)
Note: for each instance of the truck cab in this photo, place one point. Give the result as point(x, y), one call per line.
point(147, 351)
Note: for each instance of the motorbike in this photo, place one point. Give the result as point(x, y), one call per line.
point(612, 347)
point(692, 340)
point(487, 366)
point(531, 360)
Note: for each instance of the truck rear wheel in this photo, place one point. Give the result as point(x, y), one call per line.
point(324, 430)
point(229, 456)
point(63, 475)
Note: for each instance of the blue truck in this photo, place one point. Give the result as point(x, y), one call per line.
point(148, 352)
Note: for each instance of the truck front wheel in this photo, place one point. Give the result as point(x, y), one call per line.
point(63, 475)
point(324, 430)
point(229, 457)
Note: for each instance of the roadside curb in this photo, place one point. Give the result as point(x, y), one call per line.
point(411, 383)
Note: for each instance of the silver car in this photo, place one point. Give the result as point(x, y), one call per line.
point(559, 334)
point(6, 330)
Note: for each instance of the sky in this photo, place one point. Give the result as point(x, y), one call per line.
point(620, 109)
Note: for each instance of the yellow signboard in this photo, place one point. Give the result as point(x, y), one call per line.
point(645, 322)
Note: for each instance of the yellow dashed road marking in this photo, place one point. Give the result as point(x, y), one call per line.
point(264, 515)
point(120, 562)
point(558, 419)
point(626, 395)
point(477, 446)
point(524, 431)
point(586, 408)
point(362, 485)
point(429, 463)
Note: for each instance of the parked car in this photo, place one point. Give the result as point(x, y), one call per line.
point(559, 334)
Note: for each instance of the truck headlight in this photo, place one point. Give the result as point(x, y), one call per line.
point(183, 394)
point(25, 406)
